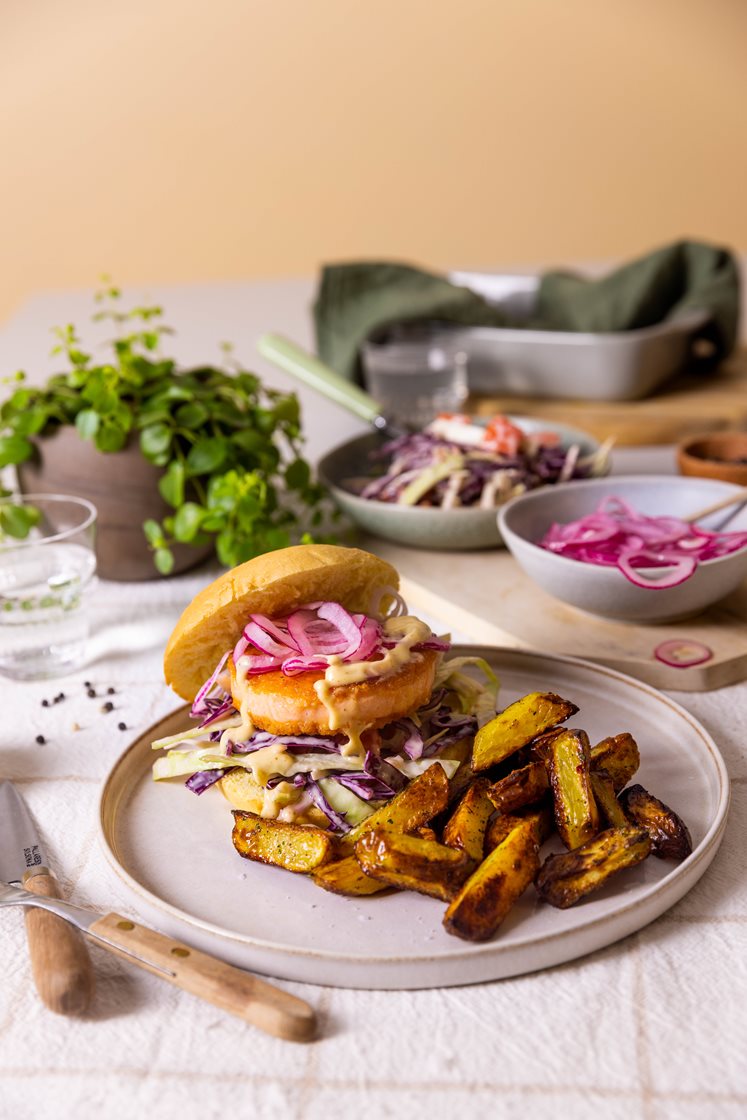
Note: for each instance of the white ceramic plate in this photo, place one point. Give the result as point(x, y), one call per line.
point(173, 850)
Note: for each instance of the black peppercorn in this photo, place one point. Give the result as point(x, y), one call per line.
point(91, 692)
point(45, 703)
point(122, 726)
point(107, 707)
point(110, 691)
point(40, 740)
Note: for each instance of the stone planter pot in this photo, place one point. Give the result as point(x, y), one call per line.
point(124, 488)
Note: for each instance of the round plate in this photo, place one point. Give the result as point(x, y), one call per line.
point(345, 469)
point(173, 850)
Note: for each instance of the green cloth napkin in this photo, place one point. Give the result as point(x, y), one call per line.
point(356, 299)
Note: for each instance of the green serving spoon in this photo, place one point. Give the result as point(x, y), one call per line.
point(298, 362)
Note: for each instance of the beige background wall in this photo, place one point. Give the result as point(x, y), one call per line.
point(164, 140)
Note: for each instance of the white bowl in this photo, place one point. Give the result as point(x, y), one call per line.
point(605, 591)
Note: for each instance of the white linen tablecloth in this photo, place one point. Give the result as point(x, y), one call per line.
point(652, 1026)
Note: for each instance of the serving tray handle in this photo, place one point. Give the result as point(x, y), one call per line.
point(232, 989)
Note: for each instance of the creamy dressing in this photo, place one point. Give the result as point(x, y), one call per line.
point(242, 730)
point(277, 802)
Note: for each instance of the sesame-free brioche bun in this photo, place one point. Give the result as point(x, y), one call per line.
point(274, 584)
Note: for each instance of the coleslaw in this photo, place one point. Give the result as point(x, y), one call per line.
point(454, 462)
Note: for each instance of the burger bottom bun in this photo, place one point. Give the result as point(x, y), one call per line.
point(240, 789)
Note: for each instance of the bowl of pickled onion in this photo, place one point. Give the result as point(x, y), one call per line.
point(620, 547)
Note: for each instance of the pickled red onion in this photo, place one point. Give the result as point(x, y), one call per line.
point(302, 642)
point(617, 535)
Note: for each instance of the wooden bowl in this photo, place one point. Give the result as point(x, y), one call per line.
point(721, 455)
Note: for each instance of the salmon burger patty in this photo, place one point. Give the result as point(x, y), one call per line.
point(291, 705)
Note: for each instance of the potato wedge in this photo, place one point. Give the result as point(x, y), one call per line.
point(524, 786)
point(604, 794)
point(295, 847)
point(425, 833)
point(344, 876)
point(517, 725)
point(566, 878)
point(670, 838)
point(567, 760)
point(540, 816)
point(491, 891)
point(619, 756)
point(414, 806)
point(412, 863)
point(465, 828)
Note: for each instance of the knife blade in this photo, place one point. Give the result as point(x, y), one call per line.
point(232, 989)
point(60, 963)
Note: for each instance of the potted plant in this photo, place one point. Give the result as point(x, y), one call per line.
point(178, 462)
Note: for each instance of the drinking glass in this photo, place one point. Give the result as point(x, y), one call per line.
point(414, 380)
point(45, 579)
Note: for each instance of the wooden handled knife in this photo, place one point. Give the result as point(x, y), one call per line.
point(60, 963)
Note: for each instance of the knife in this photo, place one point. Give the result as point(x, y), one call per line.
point(60, 962)
point(231, 989)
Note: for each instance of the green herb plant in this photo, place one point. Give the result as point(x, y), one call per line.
point(229, 448)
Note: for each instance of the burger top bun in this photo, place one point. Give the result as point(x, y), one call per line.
point(274, 584)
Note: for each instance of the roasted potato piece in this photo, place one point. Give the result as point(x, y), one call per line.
point(564, 879)
point(490, 892)
point(604, 793)
point(296, 847)
point(567, 760)
point(521, 787)
point(619, 756)
point(425, 833)
point(344, 876)
point(465, 828)
point(540, 816)
point(414, 864)
point(517, 725)
point(670, 838)
point(415, 805)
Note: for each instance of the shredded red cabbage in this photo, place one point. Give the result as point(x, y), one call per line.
point(337, 821)
point(616, 535)
point(204, 779)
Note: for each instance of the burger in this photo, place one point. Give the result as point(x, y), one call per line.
point(316, 696)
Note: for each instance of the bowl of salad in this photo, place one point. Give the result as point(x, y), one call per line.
point(625, 547)
point(441, 487)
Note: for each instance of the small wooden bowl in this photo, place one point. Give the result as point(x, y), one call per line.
point(721, 455)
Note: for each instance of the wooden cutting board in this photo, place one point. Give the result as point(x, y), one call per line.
point(486, 597)
point(703, 402)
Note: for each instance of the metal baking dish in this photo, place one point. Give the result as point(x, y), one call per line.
point(621, 366)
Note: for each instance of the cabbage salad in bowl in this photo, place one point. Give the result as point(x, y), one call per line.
point(458, 462)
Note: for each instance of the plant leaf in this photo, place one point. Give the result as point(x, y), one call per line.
point(206, 456)
point(87, 422)
point(16, 520)
point(187, 521)
point(14, 449)
point(155, 439)
point(171, 484)
point(153, 533)
point(163, 558)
